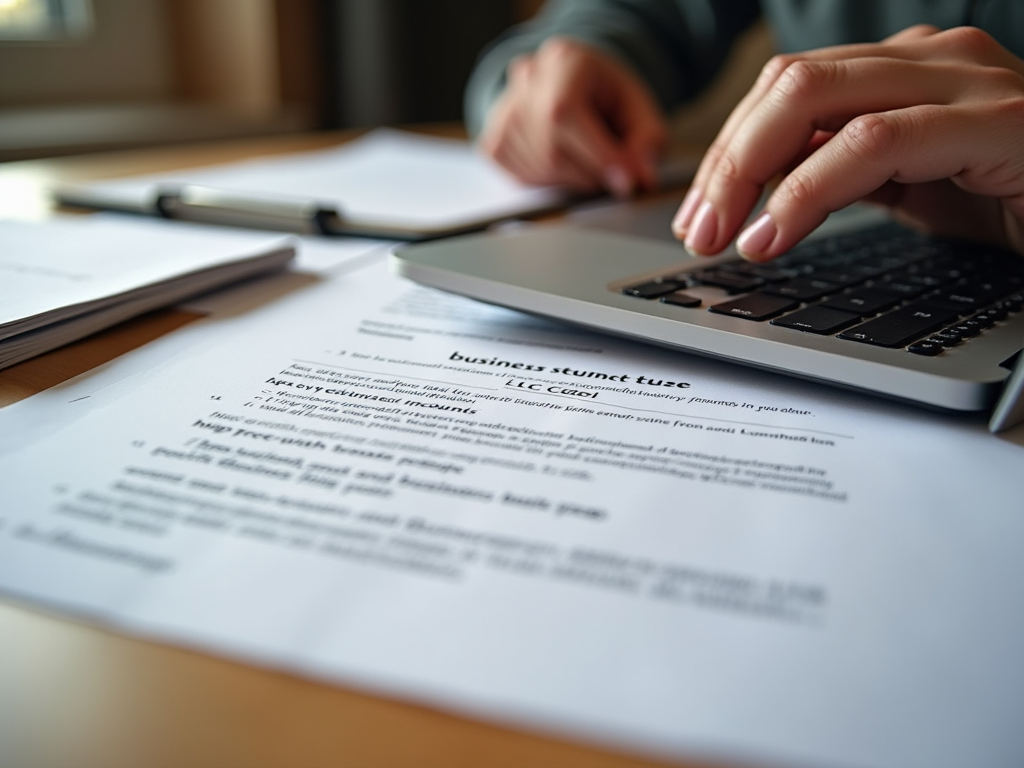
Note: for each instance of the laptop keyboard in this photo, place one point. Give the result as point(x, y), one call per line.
point(886, 286)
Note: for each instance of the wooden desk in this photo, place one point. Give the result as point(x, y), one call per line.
point(76, 696)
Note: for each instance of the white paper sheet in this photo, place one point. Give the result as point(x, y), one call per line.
point(374, 483)
point(64, 264)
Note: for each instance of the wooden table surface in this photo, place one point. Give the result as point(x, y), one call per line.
point(76, 695)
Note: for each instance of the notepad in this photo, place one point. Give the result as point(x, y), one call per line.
point(386, 184)
point(64, 279)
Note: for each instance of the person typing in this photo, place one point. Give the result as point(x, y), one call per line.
point(927, 120)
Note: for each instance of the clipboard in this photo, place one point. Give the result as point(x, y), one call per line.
point(387, 184)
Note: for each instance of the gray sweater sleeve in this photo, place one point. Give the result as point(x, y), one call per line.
point(676, 46)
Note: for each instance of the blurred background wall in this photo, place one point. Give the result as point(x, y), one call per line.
point(83, 75)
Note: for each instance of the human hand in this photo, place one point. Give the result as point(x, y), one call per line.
point(930, 123)
point(577, 117)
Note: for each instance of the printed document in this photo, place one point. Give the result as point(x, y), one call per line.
point(407, 492)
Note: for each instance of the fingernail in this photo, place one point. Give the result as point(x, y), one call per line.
point(701, 234)
point(618, 181)
point(754, 241)
point(685, 213)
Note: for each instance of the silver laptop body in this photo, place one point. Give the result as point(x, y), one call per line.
point(582, 272)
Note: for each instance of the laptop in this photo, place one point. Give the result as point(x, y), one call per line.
point(863, 303)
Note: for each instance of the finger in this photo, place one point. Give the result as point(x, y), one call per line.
point(644, 147)
point(587, 140)
point(525, 142)
point(588, 112)
point(774, 69)
point(910, 34)
point(554, 167)
point(909, 146)
point(811, 96)
point(560, 126)
point(967, 44)
point(644, 135)
point(714, 154)
point(620, 136)
point(497, 143)
point(633, 119)
point(510, 141)
point(916, 43)
point(563, 104)
point(501, 137)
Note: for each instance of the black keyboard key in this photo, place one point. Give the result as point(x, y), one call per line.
point(836, 262)
point(997, 312)
point(802, 289)
point(931, 278)
point(984, 319)
point(901, 326)
point(901, 287)
point(844, 277)
point(967, 296)
point(862, 302)
point(966, 330)
point(770, 273)
point(928, 348)
point(873, 266)
point(755, 306)
point(946, 339)
point(817, 320)
point(681, 299)
point(653, 289)
point(733, 282)
point(952, 331)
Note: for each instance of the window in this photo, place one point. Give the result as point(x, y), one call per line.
point(44, 19)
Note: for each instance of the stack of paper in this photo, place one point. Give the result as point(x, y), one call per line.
point(64, 279)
